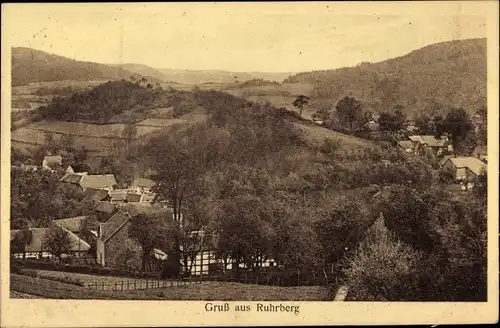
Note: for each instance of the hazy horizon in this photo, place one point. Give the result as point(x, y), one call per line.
point(234, 37)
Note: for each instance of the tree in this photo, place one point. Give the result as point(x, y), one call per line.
point(57, 241)
point(458, 124)
point(67, 142)
point(300, 102)
point(150, 231)
point(350, 112)
point(181, 158)
point(81, 154)
point(383, 268)
point(394, 121)
point(425, 125)
point(338, 226)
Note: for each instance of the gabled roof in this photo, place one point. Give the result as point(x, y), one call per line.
point(98, 181)
point(53, 160)
point(148, 197)
point(80, 168)
point(72, 178)
point(445, 159)
point(475, 165)
point(430, 141)
point(105, 207)
point(38, 234)
point(110, 227)
point(72, 224)
point(92, 194)
point(143, 183)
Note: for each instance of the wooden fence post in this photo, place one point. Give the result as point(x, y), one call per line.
point(122, 284)
point(135, 281)
point(128, 284)
point(103, 285)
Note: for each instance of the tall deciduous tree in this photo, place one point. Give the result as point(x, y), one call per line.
point(150, 231)
point(350, 112)
point(57, 241)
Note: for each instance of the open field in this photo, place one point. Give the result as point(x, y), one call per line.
point(206, 291)
point(318, 134)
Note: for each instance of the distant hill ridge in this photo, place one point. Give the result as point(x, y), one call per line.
point(451, 73)
point(31, 65)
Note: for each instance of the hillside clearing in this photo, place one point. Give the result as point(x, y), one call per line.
point(318, 134)
point(206, 291)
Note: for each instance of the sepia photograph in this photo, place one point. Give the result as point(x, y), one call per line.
point(250, 157)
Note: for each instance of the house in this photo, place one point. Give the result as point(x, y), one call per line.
point(78, 168)
point(113, 240)
point(370, 130)
point(480, 152)
point(133, 197)
point(406, 146)
point(140, 185)
point(72, 224)
point(96, 195)
point(30, 243)
point(465, 168)
point(85, 181)
point(114, 246)
point(118, 195)
point(444, 159)
point(52, 163)
point(425, 142)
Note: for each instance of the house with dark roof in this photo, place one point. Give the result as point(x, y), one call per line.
point(52, 163)
point(78, 168)
point(30, 243)
point(96, 195)
point(114, 246)
point(105, 207)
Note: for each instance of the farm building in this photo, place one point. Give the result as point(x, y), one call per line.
point(85, 181)
point(114, 246)
point(52, 163)
point(438, 146)
point(96, 195)
point(30, 242)
point(142, 185)
point(118, 195)
point(465, 168)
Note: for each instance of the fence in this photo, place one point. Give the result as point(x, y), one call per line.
point(142, 284)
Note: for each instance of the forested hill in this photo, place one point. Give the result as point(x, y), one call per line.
point(439, 75)
point(30, 65)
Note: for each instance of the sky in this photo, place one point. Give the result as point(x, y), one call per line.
point(274, 37)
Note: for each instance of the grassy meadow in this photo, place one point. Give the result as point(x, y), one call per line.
point(24, 287)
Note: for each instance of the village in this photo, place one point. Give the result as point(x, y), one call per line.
point(113, 205)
